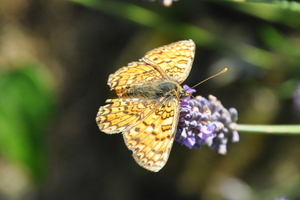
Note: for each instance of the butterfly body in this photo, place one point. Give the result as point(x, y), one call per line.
point(147, 110)
point(153, 90)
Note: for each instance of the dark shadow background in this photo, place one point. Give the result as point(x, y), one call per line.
point(77, 46)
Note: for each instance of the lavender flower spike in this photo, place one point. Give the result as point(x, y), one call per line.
point(205, 121)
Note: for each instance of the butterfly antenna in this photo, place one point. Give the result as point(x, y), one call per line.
point(221, 72)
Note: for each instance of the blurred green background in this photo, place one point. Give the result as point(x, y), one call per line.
point(55, 59)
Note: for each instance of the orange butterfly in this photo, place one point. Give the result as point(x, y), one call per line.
point(147, 109)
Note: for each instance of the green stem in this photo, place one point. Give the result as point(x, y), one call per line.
point(271, 129)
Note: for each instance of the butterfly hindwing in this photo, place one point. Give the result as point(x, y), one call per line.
point(151, 140)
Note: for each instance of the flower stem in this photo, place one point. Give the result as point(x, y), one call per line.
point(270, 129)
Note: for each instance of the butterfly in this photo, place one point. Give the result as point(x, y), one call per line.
point(147, 109)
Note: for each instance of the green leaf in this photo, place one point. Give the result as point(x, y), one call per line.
point(26, 106)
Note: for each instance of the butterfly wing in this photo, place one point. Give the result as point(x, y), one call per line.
point(175, 60)
point(151, 140)
point(122, 113)
point(134, 74)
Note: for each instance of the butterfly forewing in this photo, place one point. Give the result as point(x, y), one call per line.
point(134, 74)
point(175, 59)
